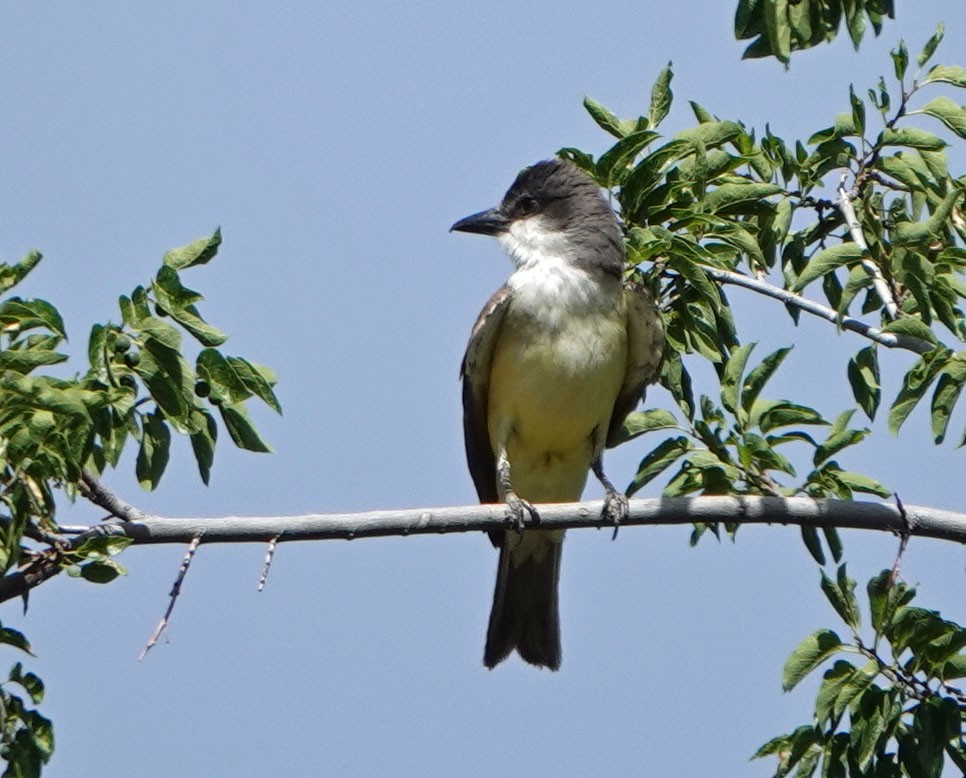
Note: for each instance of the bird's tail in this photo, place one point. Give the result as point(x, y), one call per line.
point(525, 616)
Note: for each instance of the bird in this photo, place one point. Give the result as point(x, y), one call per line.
point(557, 359)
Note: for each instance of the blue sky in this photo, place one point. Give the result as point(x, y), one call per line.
point(334, 144)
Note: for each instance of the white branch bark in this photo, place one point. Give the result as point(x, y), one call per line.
point(888, 339)
point(912, 520)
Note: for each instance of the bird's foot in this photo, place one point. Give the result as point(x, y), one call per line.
point(519, 508)
point(616, 508)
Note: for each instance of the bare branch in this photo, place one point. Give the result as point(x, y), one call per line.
point(269, 555)
point(803, 511)
point(858, 237)
point(175, 591)
point(888, 339)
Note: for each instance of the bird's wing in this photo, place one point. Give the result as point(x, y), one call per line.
point(645, 350)
point(475, 372)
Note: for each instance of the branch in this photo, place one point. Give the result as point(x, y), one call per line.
point(909, 520)
point(888, 339)
point(858, 237)
point(103, 497)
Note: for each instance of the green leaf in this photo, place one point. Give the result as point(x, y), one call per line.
point(15, 638)
point(784, 414)
point(17, 314)
point(661, 96)
point(153, 454)
point(954, 75)
point(731, 379)
point(912, 138)
point(812, 542)
point(915, 384)
point(840, 436)
point(11, 275)
point(676, 379)
point(241, 429)
point(657, 461)
point(929, 49)
point(862, 483)
point(948, 389)
point(614, 161)
point(606, 120)
point(842, 684)
point(728, 195)
point(886, 595)
point(203, 443)
point(825, 262)
point(900, 59)
point(198, 252)
point(913, 327)
point(30, 682)
point(636, 424)
point(863, 372)
point(950, 113)
point(759, 376)
point(841, 594)
point(102, 572)
point(808, 655)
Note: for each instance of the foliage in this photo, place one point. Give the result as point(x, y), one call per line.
point(59, 434)
point(718, 203)
point(780, 27)
point(908, 722)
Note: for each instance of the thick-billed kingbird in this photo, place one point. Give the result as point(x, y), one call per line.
point(556, 360)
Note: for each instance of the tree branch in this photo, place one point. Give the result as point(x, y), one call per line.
point(888, 339)
point(803, 511)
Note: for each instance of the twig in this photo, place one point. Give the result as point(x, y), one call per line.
point(887, 339)
point(858, 237)
point(103, 497)
point(175, 591)
point(903, 540)
point(269, 554)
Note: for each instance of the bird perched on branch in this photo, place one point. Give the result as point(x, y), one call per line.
point(556, 360)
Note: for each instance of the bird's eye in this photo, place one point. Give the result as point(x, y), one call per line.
point(526, 205)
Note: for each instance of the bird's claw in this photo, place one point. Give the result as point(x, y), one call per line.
point(615, 510)
point(518, 510)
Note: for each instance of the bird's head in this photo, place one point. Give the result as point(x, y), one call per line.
point(553, 209)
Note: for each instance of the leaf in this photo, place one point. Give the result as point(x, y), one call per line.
point(785, 414)
point(759, 376)
point(886, 595)
point(15, 638)
point(636, 424)
point(30, 682)
point(614, 161)
point(913, 327)
point(863, 372)
point(950, 113)
point(657, 461)
point(203, 444)
point(914, 385)
point(198, 252)
point(954, 75)
point(825, 262)
point(841, 594)
point(18, 314)
point(731, 379)
point(153, 454)
point(661, 96)
point(11, 275)
point(241, 429)
point(808, 655)
point(948, 389)
point(102, 572)
point(900, 59)
point(912, 138)
point(728, 195)
point(929, 49)
point(843, 683)
point(606, 120)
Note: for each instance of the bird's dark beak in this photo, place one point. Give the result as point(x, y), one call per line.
point(491, 222)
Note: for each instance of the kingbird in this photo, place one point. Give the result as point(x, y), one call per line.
point(556, 360)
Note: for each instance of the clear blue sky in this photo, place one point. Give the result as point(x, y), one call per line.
point(335, 143)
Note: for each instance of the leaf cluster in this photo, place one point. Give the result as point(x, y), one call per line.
point(886, 706)
point(57, 433)
point(776, 28)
